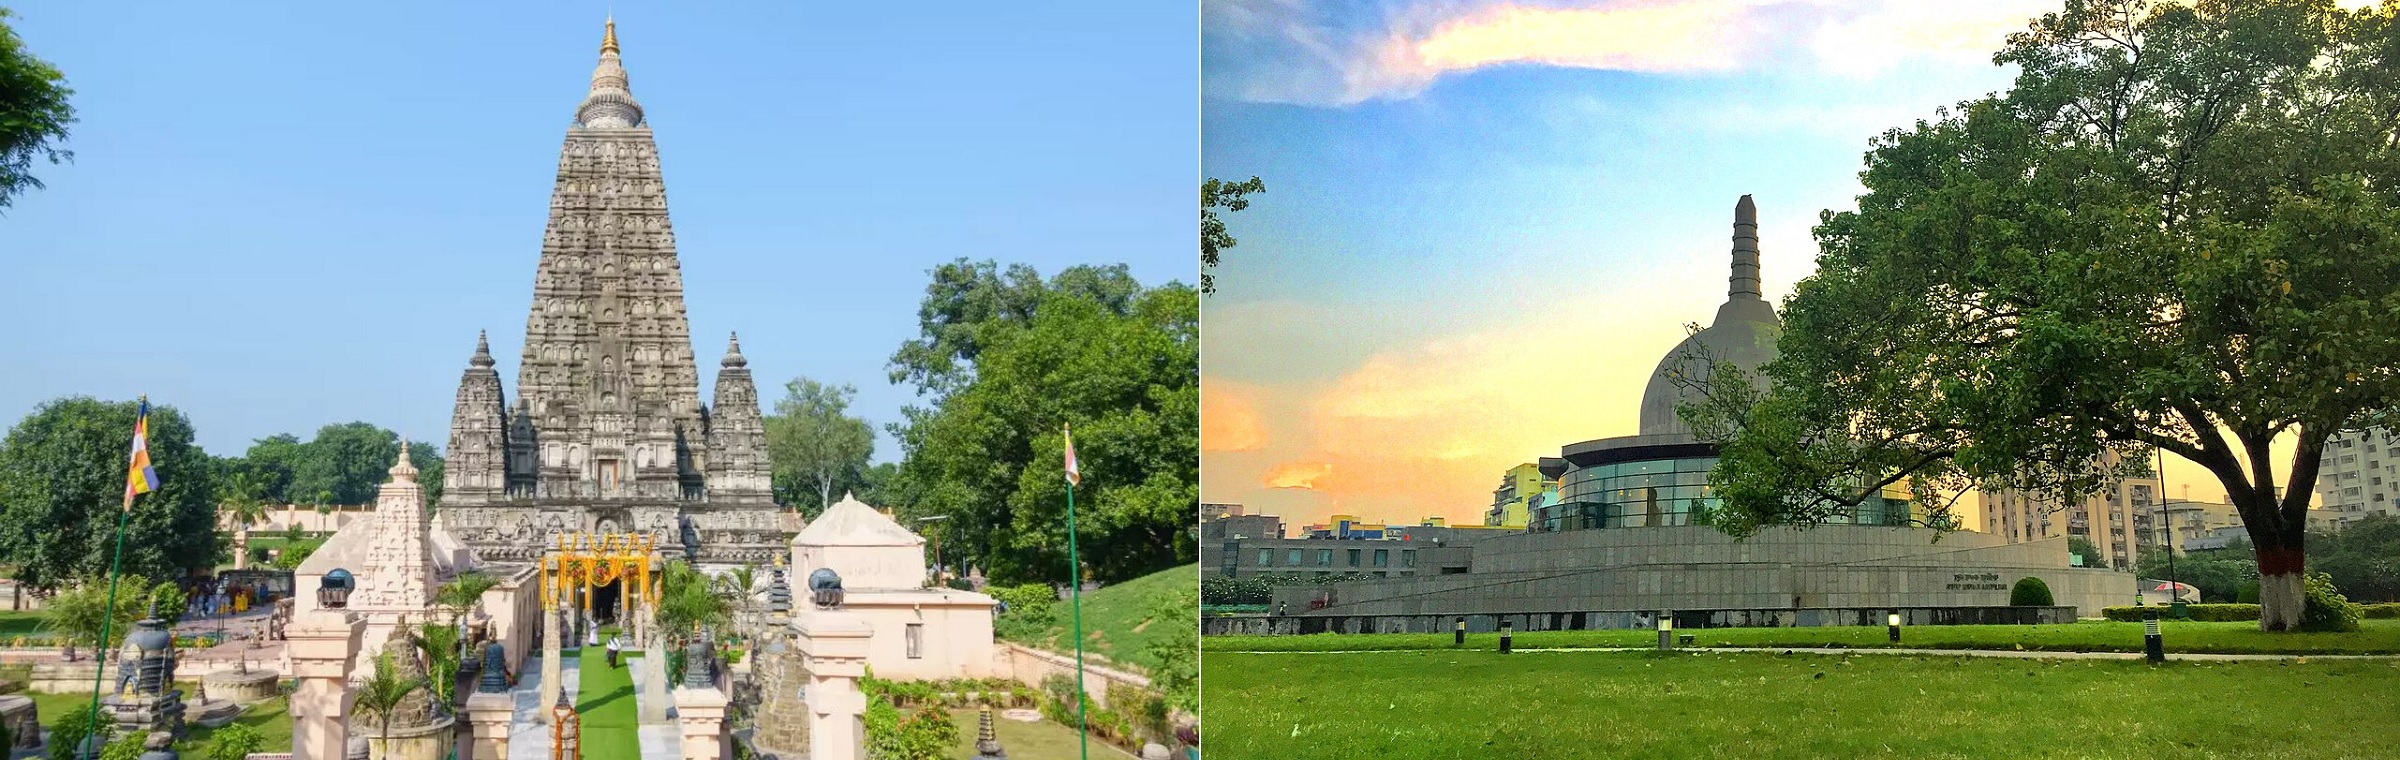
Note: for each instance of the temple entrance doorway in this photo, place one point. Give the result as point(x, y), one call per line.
point(607, 602)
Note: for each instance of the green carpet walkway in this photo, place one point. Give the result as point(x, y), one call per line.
point(605, 698)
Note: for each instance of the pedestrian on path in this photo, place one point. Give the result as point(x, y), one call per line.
point(614, 642)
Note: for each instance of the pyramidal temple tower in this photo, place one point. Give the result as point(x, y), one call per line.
point(608, 432)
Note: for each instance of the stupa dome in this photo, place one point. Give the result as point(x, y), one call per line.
point(1743, 333)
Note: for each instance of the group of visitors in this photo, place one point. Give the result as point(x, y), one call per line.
point(215, 598)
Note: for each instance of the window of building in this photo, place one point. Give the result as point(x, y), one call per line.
point(1383, 558)
point(1408, 557)
point(1292, 558)
point(1354, 558)
point(1324, 557)
point(916, 641)
point(1232, 558)
point(1266, 558)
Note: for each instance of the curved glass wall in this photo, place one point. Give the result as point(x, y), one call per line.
point(1656, 492)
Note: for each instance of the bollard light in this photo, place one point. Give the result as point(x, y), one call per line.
point(1893, 620)
point(2154, 648)
point(1504, 636)
point(1458, 637)
point(1666, 630)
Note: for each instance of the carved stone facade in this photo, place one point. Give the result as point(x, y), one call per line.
point(607, 432)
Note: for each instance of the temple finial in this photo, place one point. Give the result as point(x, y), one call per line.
point(402, 470)
point(608, 40)
point(483, 350)
point(1744, 282)
point(610, 104)
point(733, 351)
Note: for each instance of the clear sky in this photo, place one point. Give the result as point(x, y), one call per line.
point(282, 215)
point(1485, 222)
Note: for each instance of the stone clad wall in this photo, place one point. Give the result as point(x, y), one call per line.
point(1032, 666)
point(1697, 568)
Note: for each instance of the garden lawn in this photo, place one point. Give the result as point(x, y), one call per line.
point(1029, 740)
point(19, 623)
point(1430, 704)
point(2380, 636)
point(1115, 617)
point(605, 699)
point(272, 719)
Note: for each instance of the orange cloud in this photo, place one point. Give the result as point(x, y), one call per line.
point(1302, 475)
point(1229, 419)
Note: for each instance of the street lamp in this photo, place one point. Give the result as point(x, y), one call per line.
point(2167, 518)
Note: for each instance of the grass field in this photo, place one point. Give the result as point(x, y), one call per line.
point(1037, 740)
point(16, 623)
point(2380, 636)
point(604, 696)
point(272, 720)
point(1423, 704)
point(1115, 617)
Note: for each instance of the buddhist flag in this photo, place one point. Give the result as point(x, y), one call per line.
point(1074, 473)
point(140, 477)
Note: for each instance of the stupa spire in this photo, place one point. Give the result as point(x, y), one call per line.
point(483, 351)
point(610, 104)
point(1744, 282)
point(401, 470)
point(733, 351)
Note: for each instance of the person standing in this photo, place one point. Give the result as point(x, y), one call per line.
point(614, 643)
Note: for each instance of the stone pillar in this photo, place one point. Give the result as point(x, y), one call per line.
point(550, 666)
point(701, 712)
point(833, 650)
point(319, 650)
point(241, 548)
point(487, 719)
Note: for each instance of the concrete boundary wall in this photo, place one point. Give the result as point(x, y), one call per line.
point(1273, 625)
point(1031, 666)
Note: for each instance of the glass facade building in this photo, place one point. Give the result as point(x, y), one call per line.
point(1664, 491)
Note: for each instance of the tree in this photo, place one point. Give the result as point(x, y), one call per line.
point(2179, 229)
point(2363, 559)
point(1232, 196)
point(62, 487)
point(989, 454)
point(815, 443)
point(687, 601)
point(346, 463)
point(381, 694)
point(429, 471)
point(2090, 552)
point(241, 490)
point(34, 114)
point(736, 586)
point(969, 303)
point(273, 460)
point(463, 593)
point(78, 614)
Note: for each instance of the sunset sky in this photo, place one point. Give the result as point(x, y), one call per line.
point(1486, 222)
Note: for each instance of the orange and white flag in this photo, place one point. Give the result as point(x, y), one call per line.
point(1074, 473)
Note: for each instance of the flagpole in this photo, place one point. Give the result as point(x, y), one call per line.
point(116, 563)
point(1083, 728)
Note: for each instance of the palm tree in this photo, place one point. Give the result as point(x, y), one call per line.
point(382, 693)
point(737, 585)
point(462, 593)
point(243, 495)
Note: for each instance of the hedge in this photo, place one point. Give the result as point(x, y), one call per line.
point(2384, 610)
point(2207, 612)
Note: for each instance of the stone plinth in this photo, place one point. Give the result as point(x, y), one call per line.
point(24, 721)
point(213, 713)
point(487, 720)
point(319, 650)
point(653, 683)
point(241, 687)
point(701, 714)
point(63, 677)
point(145, 713)
point(833, 648)
point(431, 741)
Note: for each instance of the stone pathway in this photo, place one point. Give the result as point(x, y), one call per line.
point(662, 740)
point(528, 728)
point(2002, 653)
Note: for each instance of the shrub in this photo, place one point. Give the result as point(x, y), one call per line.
point(1032, 610)
point(69, 731)
point(2325, 609)
point(2248, 594)
point(2029, 592)
point(2384, 610)
point(234, 742)
point(2218, 613)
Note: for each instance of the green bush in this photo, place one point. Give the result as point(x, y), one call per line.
point(234, 742)
point(2217, 613)
point(2325, 609)
point(2384, 610)
point(2248, 594)
point(1032, 610)
point(69, 730)
point(2029, 592)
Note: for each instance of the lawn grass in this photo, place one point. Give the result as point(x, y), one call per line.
point(15, 623)
point(1031, 741)
point(604, 697)
point(272, 719)
point(1421, 704)
point(1115, 617)
point(2373, 637)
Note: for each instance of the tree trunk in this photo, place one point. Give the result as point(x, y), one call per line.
point(2281, 582)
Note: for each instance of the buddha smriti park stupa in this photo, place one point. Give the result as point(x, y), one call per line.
point(607, 432)
point(1618, 542)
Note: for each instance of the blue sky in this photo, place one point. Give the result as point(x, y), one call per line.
point(284, 215)
point(1486, 221)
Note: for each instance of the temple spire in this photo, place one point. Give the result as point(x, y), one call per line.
point(402, 471)
point(610, 104)
point(733, 352)
point(483, 351)
point(1744, 282)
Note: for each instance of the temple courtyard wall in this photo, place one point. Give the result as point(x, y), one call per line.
point(1828, 575)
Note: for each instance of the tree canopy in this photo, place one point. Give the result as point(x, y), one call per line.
point(34, 114)
point(62, 484)
point(1007, 360)
point(819, 450)
point(1214, 238)
point(2179, 228)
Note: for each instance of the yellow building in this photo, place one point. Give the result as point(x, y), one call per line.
point(1518, 487)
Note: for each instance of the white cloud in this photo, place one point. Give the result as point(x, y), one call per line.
point(1287, 51)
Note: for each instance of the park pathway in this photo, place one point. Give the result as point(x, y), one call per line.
point(2002, 653)
point(528, 729)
